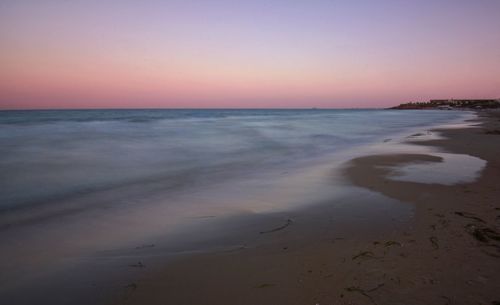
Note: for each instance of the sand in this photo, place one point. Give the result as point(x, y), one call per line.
point(448, 252)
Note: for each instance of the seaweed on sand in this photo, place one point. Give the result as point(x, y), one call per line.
point(364, 292)
point(434, 242)
point(364, 254)
point(288, 222)
point(392, 243)
point(488, 237)
point(470, 216)
point(483, 234)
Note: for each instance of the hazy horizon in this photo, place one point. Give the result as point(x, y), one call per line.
point(238, 54)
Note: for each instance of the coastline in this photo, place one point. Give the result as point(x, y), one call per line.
point(446, 254)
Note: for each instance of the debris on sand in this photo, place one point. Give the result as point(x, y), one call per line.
point(361, 291)
point(265, 285)
point(482, 234)
point(364, 292)
point(434, 242)
point(477, 233)
point(470, 216)
point(288, 222)
point(392, 243)
point(447, 299)
point(488, 237)
point(364, 254)
point(138, 265)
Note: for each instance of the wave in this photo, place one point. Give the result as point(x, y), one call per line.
point(46, 155)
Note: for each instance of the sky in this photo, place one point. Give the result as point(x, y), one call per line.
point(246, 54)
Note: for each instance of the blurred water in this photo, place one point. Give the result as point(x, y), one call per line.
point(48, 155)
point(82, 190)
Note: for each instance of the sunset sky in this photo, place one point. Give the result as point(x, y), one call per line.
point(254, 53)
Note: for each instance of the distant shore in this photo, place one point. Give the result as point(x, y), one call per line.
point(447, 253)
point(451, 104)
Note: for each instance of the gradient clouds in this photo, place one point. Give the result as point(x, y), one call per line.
point(80, 54)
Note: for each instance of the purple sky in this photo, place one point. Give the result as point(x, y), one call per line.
point(81, 54)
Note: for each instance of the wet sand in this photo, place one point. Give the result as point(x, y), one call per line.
point(447, 253)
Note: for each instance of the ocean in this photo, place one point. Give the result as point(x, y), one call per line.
point(51, 156)
point(92, 192)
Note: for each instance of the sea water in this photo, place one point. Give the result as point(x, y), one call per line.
point(50, 157)
point(86, 193)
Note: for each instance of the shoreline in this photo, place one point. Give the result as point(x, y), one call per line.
point(313, 214)
point(412, 263)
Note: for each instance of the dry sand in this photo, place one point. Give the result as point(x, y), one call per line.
point(449, 253)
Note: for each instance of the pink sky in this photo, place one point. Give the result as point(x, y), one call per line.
point(141, 54)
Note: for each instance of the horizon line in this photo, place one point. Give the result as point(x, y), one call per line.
point(192, 108)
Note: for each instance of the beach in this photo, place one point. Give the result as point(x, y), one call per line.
point(250, 152)
point(261, 207)
point(445, 252)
